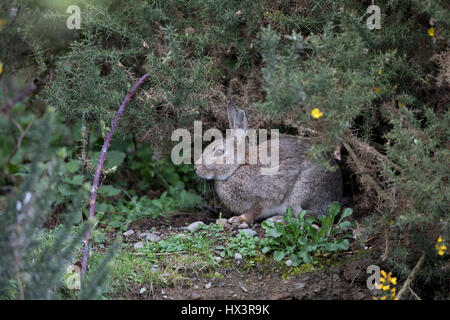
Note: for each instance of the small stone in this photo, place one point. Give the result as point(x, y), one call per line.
point(218, 259)
point(208, 285)
point(249, 231)
point(195, 296)
point(155, 268)
point(143, 234)
point(165, 297)
point(243, 225)
point(194, 226)
point(138, 245)
point(142, 290)
point(237, 256)
point(242, 287)
point(299, 285)
point(162, 291)
point(288, 263)
point(128, 233)
point(152, 237)
point(196, 287)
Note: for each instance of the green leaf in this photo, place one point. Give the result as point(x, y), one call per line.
point(113, 158)
point(305, 256)
point(108, 191)
point(279, 255)
point(66, 190)
point(72, 166)
point(333, 209)
point(347, 213)
point(346, 224)
point(265, 250)
point(75, 180)
point(273, 233)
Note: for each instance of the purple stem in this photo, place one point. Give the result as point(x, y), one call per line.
point(22, 95)
point(101, 159)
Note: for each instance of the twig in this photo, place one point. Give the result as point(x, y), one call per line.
point(386, 250)
point(19, 144)
point(411, 277)
point(22, 95)
point(414, 294)
point(101, 159)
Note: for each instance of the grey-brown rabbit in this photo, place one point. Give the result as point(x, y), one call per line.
point(246, 191)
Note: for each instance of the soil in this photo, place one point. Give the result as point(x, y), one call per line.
point(347, 280)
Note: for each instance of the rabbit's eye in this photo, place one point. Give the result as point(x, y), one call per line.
point(218, 153)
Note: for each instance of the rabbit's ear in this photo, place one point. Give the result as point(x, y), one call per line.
point(240, 124)
point(231, 112)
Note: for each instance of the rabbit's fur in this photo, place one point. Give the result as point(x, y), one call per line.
point(242, 188)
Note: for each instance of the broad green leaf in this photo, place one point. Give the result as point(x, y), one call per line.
point(279, 255)
point(347, 213)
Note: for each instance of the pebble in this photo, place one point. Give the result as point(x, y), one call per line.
point(299, 285)
point(128, 233)
point(243, 225)
point(195, 296)
point(194, 226)
point(237, 256)
point(155, 268)
point(152, 237)
point(138, 245)
point(142, 290)
point(208, 285)
point(242, 287)
point(218, 259)
point(249, 231)
point(288, 263)
point(223, 222)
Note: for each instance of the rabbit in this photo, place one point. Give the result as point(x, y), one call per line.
point(298, 183)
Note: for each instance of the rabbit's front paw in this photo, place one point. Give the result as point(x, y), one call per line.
point(240, 219)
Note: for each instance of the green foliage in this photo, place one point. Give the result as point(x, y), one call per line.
point(243, 243)
point(120, 214)
point(33, 262)
point(299, 237)
point(199, 242)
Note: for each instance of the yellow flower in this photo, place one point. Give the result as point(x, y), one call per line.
point(383, 298)
point(401, 104)
point(393, 280)
point(431, 32)
point(316, 114)
point(441, 250)
point(3, 21)
point(385, 288)
point(383, 273)
point(1, 67)
point(377, 90)
point(439, 239)
point(380, 72)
